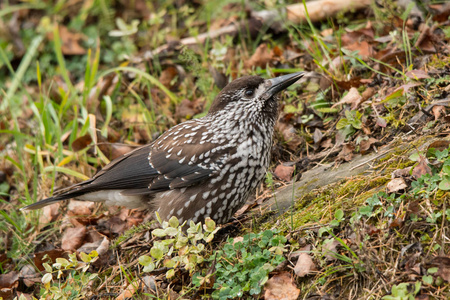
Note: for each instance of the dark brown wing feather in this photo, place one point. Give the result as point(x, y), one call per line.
point(148, 170)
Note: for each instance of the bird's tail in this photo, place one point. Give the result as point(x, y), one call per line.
point(60, 197)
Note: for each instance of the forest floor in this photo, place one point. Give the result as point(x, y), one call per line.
point(356, 202)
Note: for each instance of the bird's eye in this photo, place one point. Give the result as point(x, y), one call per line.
point(249, 92)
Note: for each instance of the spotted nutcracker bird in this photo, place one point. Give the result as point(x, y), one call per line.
point(205, 167)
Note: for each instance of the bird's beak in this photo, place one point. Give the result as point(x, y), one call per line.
point(277, 84)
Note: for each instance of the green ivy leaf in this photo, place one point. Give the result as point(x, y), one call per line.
point(145, 260)
point(157, 253)
point(158, 232)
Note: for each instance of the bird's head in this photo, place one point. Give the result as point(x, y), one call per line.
point(252, 97)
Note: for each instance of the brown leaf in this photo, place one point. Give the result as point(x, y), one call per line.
point(129, 291)
point(396, 223)
point(440, 145)
point(367, 94)
point(365, 145)
point(187, 109)
point(347, 85)
point(401, 172)
point(81, 208)
point(330, 250)
point(317, 136)
point(53, 254)
point(167, 76)
point(364, 49)
point(9, 280)
point(49, 214)
point(281, 287)
point(101, 246)
point(417, 74)
point(30, 275)
point(396, 185)
point(353, 98)
point(73, 238)
point(400, 91)
point(381, 122)
point(81, 142)
point(305, 265)
point(421, 168)
point(346, 153)
point(114, 150)
point(438, 111)
point(284, 172)
point(289, 135)
point(328, 143)
point(443, 264)
point(260, 58)
point(70, 41)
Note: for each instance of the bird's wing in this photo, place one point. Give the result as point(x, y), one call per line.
point(165, 164)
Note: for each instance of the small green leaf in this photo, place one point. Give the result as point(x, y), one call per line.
point(414, 156)
point(47, 267)
point(84, 257)
point(174, 222)
point(158, 232)
point(209, 225)
point(170, 273)
point(145, 260)
point(432, 270)
point(150, 267)
point(339, 214)
point(47, 278)
point(63, 262)
point(342, 123)
point(445, 183)
point(157, 253)
point(171, 231)
point(427, 279)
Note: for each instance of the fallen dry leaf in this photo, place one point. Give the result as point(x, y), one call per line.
point(167, 76)
point(81, 142)
point(400, 91)
point(328, 143)
point(405, 172)
point(70, 41)
point(396, 185)
point(364, 49)
point(440, 145)
point(49, 214)
point(261, 57)
point(438, 111)
point(100, 246)
point(289, 135)
point(318, 136)
point(81, 208)
point(281, 287)
point(352, 97)
point(129, 291)
point(284, 172)
point(443, 264)
point(47, 256)
point(305, 265)
point(421, 168)
point(330, 250)
point(367, 94)
point(73, 238)
point(187, 108)
point(9, 280)
point(381, 122)
point(365, 145)
point(346, 153)
point(417, 74)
